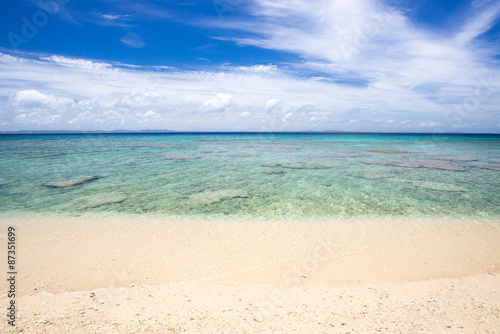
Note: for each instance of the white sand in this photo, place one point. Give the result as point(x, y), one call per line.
point(227, 277)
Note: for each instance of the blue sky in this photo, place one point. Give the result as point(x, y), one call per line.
point(255, 65)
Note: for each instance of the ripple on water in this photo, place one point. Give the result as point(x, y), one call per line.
point(48, 155)
point(214, 151)
point(281, 149)
point(390, 151)
point(334, 155)
point(370, 175)
point(243, 155)
point(439, 186)
point(102, 200)
point(181, 157)
point(214, 196)
point(296, 165)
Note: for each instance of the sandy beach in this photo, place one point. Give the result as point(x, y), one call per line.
point(127, 275)
point(248, 167)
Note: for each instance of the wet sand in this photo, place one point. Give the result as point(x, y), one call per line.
point(87, 275)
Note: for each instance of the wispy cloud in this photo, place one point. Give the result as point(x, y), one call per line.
point(484, 14)
point(141, 9)
point(114, 17)
point(82, 64)
point(366, 39)
point(133, 40)
point(111, 19)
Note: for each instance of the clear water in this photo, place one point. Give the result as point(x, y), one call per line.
point(227, 176)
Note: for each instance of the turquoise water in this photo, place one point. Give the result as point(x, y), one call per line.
point(252, 176)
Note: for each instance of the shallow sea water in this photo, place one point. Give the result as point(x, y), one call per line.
point(252, 176)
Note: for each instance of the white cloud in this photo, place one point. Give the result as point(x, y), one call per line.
point(257, 68)
point(430, 124)
point(149, 118)
point(4, 58)
point(33, 98)
point(220, 102)
point(165, 68)
point(33, 107)
point(273, 105)
point(82, 64)
point(150, 114)
point(30, 98)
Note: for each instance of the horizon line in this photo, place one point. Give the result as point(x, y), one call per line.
point(21, 132)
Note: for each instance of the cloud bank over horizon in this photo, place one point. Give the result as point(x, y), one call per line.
point(362, 65)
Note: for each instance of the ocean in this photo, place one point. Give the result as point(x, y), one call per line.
point(293, 176)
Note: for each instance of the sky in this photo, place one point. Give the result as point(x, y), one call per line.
point(255, 65)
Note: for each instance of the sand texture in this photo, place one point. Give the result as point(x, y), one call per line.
point(87, 275)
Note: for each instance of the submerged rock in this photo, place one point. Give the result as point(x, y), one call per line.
point(181, 157)
point(271, 165)
point(420, 164)
point(4, 182)
point(303, 165)
point(438, 165)
point(70, 183)
point(48, 155)
point(242, 155)
point(335, 155)
point(157, 146)
point(490, 167)
point(458, 159)
point(211, 197)
point(274, 172)
point(389, 151)
point(440, 186)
